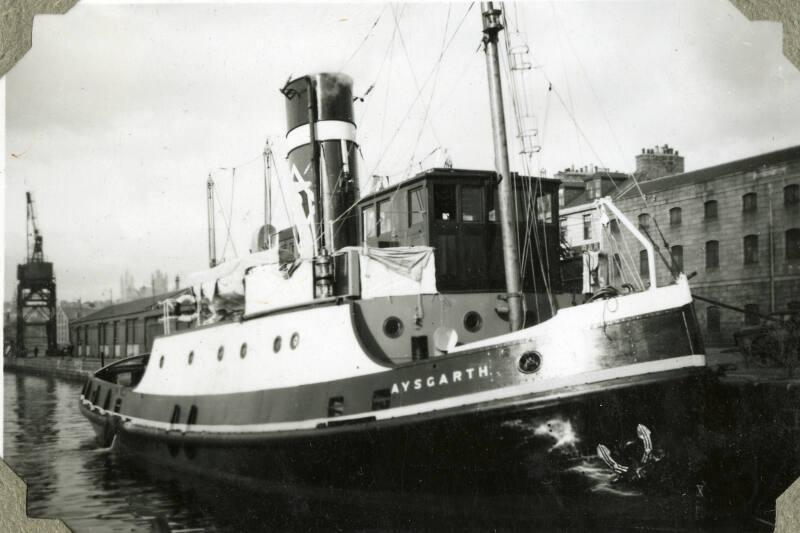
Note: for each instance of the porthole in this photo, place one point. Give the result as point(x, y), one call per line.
point(243, 350)
point(393, 327)
point(220, 353)
point(473, 322)
point(161, 362)
point(191, 357)
point(529, 362)
point(276, 344)
point(295, 340)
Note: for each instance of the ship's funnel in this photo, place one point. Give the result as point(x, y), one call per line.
point(321, 143)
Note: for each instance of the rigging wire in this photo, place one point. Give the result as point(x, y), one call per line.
point(559, 31)
point(597, 100)
point(414, 74)
point(228, 237)
point(365, 39)
point(419, 93)
point(433, 91)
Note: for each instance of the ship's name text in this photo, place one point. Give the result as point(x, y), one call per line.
point(429, 382)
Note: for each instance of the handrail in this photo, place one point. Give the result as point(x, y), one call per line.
point(606, 202)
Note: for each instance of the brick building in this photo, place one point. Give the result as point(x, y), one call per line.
point(735, 227)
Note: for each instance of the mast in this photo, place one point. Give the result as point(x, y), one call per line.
point(508, 223)
point(267, 196)
point(212, 239)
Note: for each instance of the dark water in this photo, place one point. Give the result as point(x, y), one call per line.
point(52, 447)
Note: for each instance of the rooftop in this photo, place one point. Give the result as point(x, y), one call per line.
point(132, 307)
point(748, 164)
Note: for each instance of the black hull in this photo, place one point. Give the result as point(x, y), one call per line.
point(527, 449)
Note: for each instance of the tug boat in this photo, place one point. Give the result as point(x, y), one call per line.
point(383, 341)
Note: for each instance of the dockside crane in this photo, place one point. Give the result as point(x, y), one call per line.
point(36, 293)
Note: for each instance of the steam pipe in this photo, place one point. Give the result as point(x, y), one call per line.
point(319, 215)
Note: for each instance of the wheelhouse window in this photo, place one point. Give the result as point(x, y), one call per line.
point(544, 208)
point(471, 203)
point(445, 202)
point(416, 206)
point(791, 195)
point(385, 217)
point(710, 210)
point(368, 222)
point(793, 244)
point(750, 202)
point(751, 249)
point(675, 216)
point(712, 254)
point(562, 226)
point(587, 227)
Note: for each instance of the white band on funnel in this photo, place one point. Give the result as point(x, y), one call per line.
point(326, 130)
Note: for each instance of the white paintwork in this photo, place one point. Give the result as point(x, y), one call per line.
point(328, 350)
point(267, 289)
point(554, 385)
point(581, 317)
point(325, 130)
point(651, 256)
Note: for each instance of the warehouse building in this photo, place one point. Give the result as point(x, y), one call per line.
point(123, 329)
point(733, 228)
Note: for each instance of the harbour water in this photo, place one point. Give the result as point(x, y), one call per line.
point(52, 447)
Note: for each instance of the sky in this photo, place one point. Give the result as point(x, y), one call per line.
point(118, 114)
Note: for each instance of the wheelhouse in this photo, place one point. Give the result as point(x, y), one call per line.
point(455, 212)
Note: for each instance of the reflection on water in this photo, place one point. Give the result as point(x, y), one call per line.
point(52, 447)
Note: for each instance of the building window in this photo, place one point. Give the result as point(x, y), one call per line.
point(644, 220)
point(587, 227)
point(368, 222)
point(710, 210)
point(677, 258)
point(416, 206)
point(617, 267)
point(614, 225)
point(675, 216)
point(749, 202)
point(712, 254)
point(793, 306)
point(644, 269)
point(793, 244)
point(751, 250)
point(791, 195)
point(471, 203)
point(751, 317)
point(385, 217)
point(712, 319)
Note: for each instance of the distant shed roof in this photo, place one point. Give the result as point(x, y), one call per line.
point(134, 307)
point(748, 164)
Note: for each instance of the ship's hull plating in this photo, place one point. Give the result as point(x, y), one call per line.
point(517, 412)
point(519, 448)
